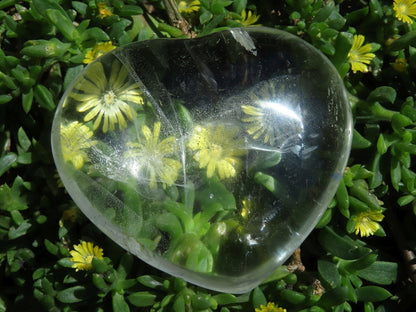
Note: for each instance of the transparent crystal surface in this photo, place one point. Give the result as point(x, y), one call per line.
point(210, 158)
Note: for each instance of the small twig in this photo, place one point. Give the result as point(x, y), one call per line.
point(296, 262)
point(176, 19)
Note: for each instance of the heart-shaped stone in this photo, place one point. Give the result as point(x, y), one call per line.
point(210, 158)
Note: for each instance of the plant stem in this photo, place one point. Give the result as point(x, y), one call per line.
point(176, 19)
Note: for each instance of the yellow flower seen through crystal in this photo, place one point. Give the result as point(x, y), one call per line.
point(405, 10)
point(217, 148)
point(366, 222)
point(103, 10)
point(75, 139)
point(248, 18)
point(270, 307)
point(83, 254)
point(98, 50)
point(360, 56)
point(188, 6)
point(108, 101)
point(151, 159)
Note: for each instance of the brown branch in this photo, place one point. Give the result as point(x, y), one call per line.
point(296, 264)
point(176, 19)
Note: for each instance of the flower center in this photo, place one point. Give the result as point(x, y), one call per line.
point(88, 259)
point(402, 9)
point(109, 98)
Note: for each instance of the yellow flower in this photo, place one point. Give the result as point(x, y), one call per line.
point(270, 307)
point(103, 10)
point(400, 65)
point(149, 158)
point(98, 50)
point(270, 117)
point(83, 254)
point(404, 10)
point(249, 18)
point(366, 222)
point(360, 55)
point(246, 207)
point(107, 100)
point(75, 138)
point(188, 6)
point(217, 148)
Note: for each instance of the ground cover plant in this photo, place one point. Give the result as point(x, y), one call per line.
point(360, 257)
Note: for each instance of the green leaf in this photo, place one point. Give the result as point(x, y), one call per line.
point(334, 297)
point(23, 139)
point(71, 74)
point(94, 33)
point(128, 10)
point(258, 298)
point(278, 274)
point(343, 247)
point(5, 98)
point(223, 299)
point(72, 294)
point(19, 231)
point(99, 265)
point(361, 263)
point(380, 272)
point(150, 281)
point(329, 273)
point(359, 142)
point(205, 17)
point(239, 5)
point(342, 198)
point(291, 296)
point(6, 162)
point(51, 247)
point(382, 94)
point(201, 302)
point(372, 293)
point(80, 7)
point(27, 100)
point(44, 97)
point(405, 200)
point(142, 299)
point(62, 22)
point(404, 41)
point(119, 304)
point(267, 181)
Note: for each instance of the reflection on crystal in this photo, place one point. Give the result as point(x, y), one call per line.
point(215, 173)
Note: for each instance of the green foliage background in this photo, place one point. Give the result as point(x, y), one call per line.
point(43, 45)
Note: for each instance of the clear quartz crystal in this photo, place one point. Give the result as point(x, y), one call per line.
point(212, 158)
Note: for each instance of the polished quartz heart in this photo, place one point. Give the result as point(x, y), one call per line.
point(210, 158)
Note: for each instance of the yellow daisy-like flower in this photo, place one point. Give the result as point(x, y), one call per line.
point(400, 65)
point(83, 254)
point(248, 18)
point(270, 307)
point(218, 148)
point(75, 139)
point(103, 10)
point(105, 100)
point(404, 10)
point(366, 222)
point(188, 6)
point(360, 55)
point(150, 159)
point(98, 50)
